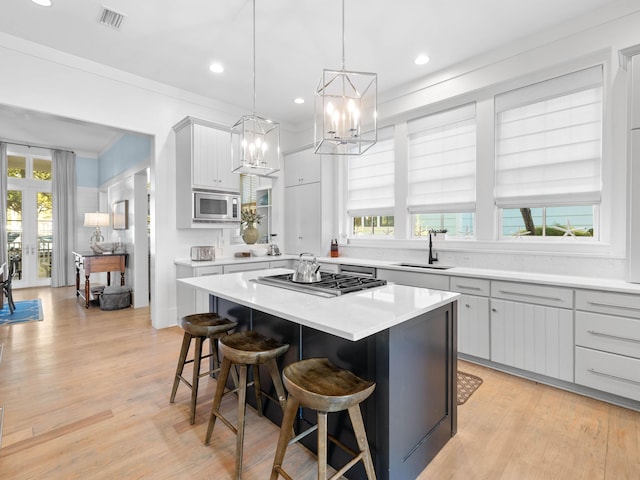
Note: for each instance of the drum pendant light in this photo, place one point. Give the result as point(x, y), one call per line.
point(255, 141)
point(345, 110)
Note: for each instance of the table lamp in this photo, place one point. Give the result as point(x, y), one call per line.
point(96, 220)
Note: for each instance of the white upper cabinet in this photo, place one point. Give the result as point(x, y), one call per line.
point(301, 167)
point(203, 156)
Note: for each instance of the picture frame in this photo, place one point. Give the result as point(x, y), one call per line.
point(121, 215)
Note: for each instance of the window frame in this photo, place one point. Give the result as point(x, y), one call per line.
point(487, 216)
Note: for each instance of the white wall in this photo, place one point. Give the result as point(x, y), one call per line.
point(86, 91)
point(597, 38)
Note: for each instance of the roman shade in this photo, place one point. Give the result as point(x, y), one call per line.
point(371, 178)
point(548, 142)
point(442, 161)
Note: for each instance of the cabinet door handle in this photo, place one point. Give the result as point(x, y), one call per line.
point(609, 305)
point(467, 305)
point(616, 337)
point(530, 295)
point(494, 310)
point(477, 289)
point(615, 377)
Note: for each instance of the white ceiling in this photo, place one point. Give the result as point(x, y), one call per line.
point(174, 42)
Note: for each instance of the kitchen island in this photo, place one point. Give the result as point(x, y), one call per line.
point(403, 338)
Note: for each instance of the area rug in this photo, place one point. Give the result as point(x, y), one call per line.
point(467, 384)
point(26, 311)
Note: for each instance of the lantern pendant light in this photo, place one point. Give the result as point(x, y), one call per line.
point(345, 110)
point(255, 141)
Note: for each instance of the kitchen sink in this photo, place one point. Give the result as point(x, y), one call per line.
point(423, 265)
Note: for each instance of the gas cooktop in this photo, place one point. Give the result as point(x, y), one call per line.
point(330, 285)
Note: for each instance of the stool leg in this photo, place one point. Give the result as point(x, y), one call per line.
point(214, 363)
point(272, 365)
point(322, 445)
point(257, 388)
point(361, 436)
point(286, 428)
point(242, 407)
point(217, 399)
point(197, 356)
point(186, 341)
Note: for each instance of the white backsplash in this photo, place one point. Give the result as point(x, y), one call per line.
point(582, 266)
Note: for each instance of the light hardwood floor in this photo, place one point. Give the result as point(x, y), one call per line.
point(86, 395)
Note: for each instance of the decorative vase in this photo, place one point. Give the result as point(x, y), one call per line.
point(250, 234)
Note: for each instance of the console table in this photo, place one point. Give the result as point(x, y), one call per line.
point(92, 262)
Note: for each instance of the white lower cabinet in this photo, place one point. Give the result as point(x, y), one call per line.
point(473, 316)
point(191, 300)
point(608, 342)
point(532, 337)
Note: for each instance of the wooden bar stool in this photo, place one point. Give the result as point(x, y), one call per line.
point(318, 384)
point(199, 326)
point(246, 349)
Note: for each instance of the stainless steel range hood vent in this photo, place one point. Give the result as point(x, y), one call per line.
point(111, 18)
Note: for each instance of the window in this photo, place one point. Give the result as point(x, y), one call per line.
point(548, 155)
point(371, 188)
point(442, 172)
point(576, 221)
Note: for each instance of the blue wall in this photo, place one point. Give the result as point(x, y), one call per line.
point(86, 172)
point(130, 150)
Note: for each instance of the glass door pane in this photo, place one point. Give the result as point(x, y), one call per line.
point(45, 234)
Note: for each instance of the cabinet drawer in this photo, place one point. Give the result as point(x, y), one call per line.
point(612, 303)
point(425, 280)
point(608, 333)
point(280, 264)
point(245, 267)
point(204, 271)
point(608, 372)
point(472, 286)
point(536, 294)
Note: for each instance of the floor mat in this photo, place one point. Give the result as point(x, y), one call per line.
point(467, 384)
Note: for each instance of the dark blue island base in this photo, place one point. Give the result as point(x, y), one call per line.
point(412, 413)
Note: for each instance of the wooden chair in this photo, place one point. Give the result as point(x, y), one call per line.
point(200, 326)
point(246, 349)
point(6, 284)
point(318, 384)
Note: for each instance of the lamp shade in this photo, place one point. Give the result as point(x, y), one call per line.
point(255, 146)
point(96, 219)
point(345, 112)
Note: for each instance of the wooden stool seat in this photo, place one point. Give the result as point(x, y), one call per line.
point(318, 384)
point(246, 349)
point(199, 326)
point(206, 324)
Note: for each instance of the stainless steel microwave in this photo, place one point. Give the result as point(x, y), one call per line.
point(211, 206)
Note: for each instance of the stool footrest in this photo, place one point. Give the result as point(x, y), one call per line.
point(301, 435)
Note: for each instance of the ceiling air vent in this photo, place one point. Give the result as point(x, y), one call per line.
point(111, 18)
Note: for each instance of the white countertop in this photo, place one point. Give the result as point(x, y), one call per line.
point(353, 316)
point(569, 281)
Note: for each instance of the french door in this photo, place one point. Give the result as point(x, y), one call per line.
point(29, 220)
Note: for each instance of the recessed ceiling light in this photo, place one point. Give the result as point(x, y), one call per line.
point(43, 3)
point(422, 59)
point(299, 100)
point(216, 67)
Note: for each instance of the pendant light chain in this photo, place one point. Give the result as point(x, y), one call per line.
point(254, 57)
point(343, 54)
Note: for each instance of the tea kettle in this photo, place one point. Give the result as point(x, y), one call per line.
point(307, 271)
